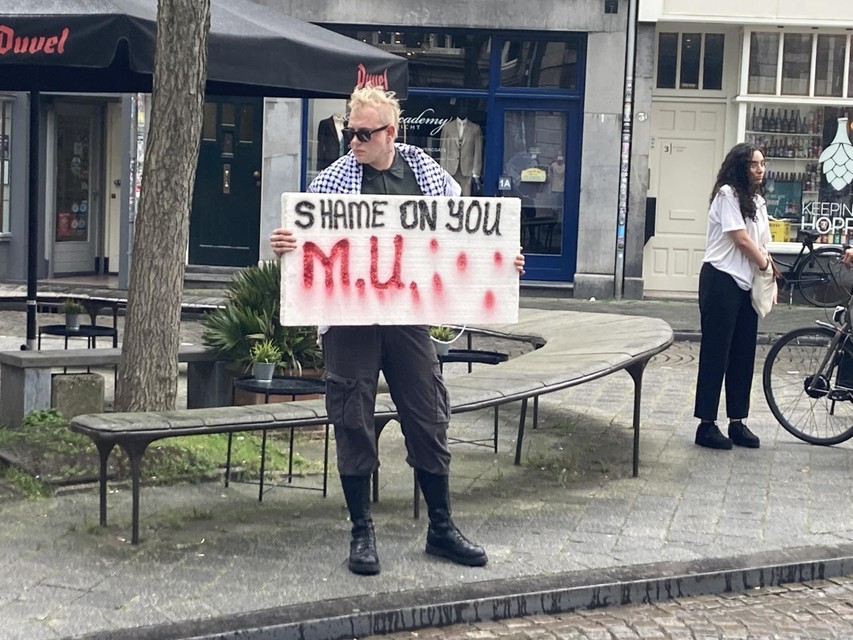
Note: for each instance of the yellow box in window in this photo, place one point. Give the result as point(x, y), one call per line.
point(780, 230)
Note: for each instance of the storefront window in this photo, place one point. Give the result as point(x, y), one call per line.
point(534, 162)
point(796, 64)
point(540, 64)
point(451, 130)
point(325, 142)
point(829, 69)
point(806, 188)
point(5, 151)
point(850, 72)
point(436, 59)
point(763, 60)
point(427, 121)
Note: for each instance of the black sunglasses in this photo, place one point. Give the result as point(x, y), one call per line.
point(361, 134)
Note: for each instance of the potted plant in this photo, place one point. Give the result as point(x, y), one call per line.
point(251, 314)
point(75, 313)
point(442, 337)
point(265, 356)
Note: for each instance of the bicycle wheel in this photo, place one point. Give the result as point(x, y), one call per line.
point(810, 406)
point(823, 280)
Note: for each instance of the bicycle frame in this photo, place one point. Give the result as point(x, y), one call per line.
point(830, 359)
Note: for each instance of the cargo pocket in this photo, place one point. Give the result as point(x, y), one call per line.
point(442, 398)
point(342, 402)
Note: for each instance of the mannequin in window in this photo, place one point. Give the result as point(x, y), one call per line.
point(558, 174)
point(462, 149)
point(330, 144)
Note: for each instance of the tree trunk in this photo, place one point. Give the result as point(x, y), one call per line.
point(148, 372)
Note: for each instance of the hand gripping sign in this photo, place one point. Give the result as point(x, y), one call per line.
point(399, 260)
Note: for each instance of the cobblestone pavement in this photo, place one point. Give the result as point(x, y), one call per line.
point(809, 610)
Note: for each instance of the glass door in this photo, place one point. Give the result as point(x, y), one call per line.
point(535, 158)
point(77, 157)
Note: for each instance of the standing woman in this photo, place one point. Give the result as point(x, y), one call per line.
point(738, 231)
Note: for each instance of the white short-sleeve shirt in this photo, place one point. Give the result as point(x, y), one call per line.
point(720, 250)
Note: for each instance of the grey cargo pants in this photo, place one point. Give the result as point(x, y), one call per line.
point(354, 357)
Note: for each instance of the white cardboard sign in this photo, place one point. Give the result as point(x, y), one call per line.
point(377, 259)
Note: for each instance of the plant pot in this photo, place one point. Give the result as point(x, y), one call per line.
point(441, 348)
point(262, 371)
point(73, 321)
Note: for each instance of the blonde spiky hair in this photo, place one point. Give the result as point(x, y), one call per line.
point(378, 98)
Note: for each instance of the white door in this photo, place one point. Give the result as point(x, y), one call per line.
point(112, 204)
point(686, 152)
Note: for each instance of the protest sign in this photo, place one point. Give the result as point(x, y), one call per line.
point(378, 259)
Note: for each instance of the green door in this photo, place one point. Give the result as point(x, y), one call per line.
point(226, 211)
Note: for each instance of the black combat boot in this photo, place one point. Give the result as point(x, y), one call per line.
point(443, 538)
point(363, 558)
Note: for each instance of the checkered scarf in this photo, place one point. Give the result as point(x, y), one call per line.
point(344, 175)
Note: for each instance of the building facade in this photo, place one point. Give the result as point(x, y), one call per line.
point(514, 100)
point(778, 75)
point(539, 89)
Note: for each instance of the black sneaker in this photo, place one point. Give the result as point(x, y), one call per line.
point(708, 434)
point(742, 436)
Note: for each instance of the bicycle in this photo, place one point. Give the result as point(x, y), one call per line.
point(819, 274)
point(808, 380)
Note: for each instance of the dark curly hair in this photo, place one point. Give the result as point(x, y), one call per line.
point(735, 172)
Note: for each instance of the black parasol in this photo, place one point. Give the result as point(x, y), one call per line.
point(107, 46)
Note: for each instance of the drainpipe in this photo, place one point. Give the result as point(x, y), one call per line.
point(625, 159)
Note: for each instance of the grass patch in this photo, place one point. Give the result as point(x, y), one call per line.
point(44, 453)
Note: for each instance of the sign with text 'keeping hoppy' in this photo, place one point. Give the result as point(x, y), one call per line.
point(399, 260)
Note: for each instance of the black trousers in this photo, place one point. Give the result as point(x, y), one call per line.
point(354, 357)
point(729, 332)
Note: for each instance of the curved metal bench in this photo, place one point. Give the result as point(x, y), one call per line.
point(572, 348)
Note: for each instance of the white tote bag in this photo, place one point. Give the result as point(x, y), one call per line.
point(763, 288)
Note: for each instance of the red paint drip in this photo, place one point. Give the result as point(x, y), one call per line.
point(489, 300)
point(499, 259)
point(359, 285)
point(437, 286)
point(433, 245)
point(462, 261)
point(416, 294)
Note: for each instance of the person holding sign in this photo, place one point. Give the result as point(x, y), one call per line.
point(354, 355)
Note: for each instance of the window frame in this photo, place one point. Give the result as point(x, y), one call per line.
point(700, 90)
point(847, 85)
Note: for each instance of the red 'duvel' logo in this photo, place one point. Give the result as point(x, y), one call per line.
point(27, 45)
point(379, 80)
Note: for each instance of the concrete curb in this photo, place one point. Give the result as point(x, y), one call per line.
point(356, 617)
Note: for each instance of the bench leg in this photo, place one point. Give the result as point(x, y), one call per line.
point(326, 463)
point(228, 460)
point(497, 414)
point(416, 500)
point(522, 419)
point(264, 460)
point(135, 451)
point(104, 450)
point(636, 373)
